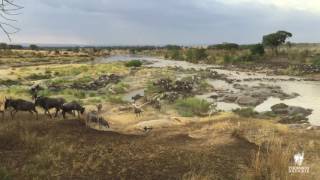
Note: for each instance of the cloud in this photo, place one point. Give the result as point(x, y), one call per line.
point(121, 22)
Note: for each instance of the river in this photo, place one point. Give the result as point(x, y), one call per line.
point(309, 91)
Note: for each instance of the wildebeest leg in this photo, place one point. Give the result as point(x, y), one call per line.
point(78, 114)
point(74, 113)
point(57, 111)
point(12, 113)
point(34, 110)
point(2, 115)
point(47, 110)
point(37, 115)
point(63, 114)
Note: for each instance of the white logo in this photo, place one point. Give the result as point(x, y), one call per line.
point(298, 168)
point(298, 158)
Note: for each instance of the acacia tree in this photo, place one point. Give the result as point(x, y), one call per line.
point(274, 40)
point(8, 10)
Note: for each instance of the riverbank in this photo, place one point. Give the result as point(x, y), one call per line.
point(225, 147)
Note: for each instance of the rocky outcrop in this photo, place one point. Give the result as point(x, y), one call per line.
point(254, 95)
point(291, 114)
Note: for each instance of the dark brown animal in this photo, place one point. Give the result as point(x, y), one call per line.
point(20, 105)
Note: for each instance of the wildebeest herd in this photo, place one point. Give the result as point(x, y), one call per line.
point(46, 103)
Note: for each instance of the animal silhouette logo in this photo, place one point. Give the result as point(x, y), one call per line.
point(298, 158)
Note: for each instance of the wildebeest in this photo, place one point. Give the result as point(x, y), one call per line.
point(94, 117)
point(99, 107)
point(71, 107)
point(137, 110)
point(20, 105)
point(49, 103)
point(136, 97)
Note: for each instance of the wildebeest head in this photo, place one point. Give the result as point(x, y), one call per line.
point(7, 103)
point(38, 100)
point(82, 109)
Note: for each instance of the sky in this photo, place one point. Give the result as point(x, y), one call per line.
point(160, 22)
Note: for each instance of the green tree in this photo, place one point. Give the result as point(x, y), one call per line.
point(3, 46)
point(257, 49)
point(274, 40)
point(34, 47)
point(194, 54)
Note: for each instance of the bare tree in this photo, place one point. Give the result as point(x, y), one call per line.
point(8, 10)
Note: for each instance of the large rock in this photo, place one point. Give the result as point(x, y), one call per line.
point(291, 114)
point(248, 101)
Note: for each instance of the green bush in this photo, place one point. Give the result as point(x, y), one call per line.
point(120, 88)
point(134, 63)
point(246, 112)
point(116, 99)
point(316, 61)
point(192, 106)
point(38, 76)
point(257, 49)
point(9, 82)
point(4, 174)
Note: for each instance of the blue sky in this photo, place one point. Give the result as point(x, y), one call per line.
point(158, 22)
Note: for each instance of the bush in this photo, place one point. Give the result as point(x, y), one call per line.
point(120, 88)
point(192, 106)
point(4, 174)
point(9, 82)
point(38, 76)
point(134, 63)
point(116, 99)
point(225, 46)
point(316, 61)
point(246, 112)
point(257, 49)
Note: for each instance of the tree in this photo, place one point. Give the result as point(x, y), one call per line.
point(225, 46)
point(34, 47)
point(3, 46)
point(257, 49)
point(8, 9)
point(274, 40)
point(194, 55)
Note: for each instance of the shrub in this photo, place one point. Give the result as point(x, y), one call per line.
point(246, 112)
point(120, 88)
point(192, 106)
point(225, 46)
point(38, 76)
point(257, 49)
point(9, 82)
point(316, 61)
point(116, 99)
point(134, 63)
point(4, 174)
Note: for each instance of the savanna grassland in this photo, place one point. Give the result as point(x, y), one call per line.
point(183, 142)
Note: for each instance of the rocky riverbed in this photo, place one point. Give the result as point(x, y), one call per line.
point(235, 89)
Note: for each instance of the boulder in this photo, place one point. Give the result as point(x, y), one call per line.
point(248, 101)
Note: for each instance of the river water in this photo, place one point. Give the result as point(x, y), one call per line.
point(309, 91)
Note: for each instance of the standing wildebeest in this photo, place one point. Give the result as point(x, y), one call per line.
point(93, 116)
point(20, 105)
point(49, 103)
point(70, 107)
point(99, 108)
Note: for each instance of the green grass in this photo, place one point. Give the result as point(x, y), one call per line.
point(9, 82)
point(134, 63)
point(39, 76)
point(115, 99)
point(120, 88)
point(246, 112)
point(192, 106)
